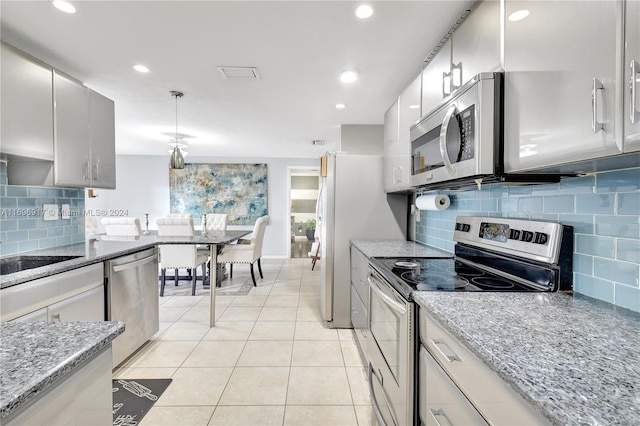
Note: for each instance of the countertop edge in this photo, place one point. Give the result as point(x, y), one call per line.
point(61, 371)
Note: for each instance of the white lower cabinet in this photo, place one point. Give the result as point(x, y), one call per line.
point(76, 295)
point(441, 402)
point(455, 371)
point(86, 306)
point(84, 398)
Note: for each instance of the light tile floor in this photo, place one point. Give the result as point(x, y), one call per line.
point(270, 360)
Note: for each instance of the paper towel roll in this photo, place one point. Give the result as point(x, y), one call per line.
point(433, 202)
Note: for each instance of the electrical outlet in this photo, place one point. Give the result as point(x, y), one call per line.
point(50, 212)
point(66, 211)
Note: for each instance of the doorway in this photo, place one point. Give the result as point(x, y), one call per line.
point(304, 185)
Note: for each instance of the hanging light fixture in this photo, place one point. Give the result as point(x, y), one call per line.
point(176, 160)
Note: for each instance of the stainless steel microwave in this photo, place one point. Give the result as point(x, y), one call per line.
point(461, 140)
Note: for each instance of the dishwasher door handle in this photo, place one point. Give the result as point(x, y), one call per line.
point(134, 264)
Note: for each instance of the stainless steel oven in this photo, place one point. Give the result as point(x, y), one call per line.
point(392, 353)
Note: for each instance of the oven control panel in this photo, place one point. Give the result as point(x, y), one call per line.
point(529, 239)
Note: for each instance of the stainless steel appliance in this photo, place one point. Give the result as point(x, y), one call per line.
point(352, 205)
point(491, 254)
point(391, 353)
point(461, 142)
point(132, 297)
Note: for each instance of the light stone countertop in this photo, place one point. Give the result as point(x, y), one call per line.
point(575, 358)
point(397, 248)
point(103, 247)
point(35, 356)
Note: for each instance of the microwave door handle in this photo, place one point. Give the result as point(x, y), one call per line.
point(635, 115)
point(443, 139)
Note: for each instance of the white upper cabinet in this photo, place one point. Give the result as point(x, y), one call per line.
point(404, 112)
point(391, 124)
point(476, 44)
point(560, 84)
point(102, 137)
point(433, 81)
point(27, 106)
point(474, 47)
point(631, 85)
point(72, 148)
point(55, 131)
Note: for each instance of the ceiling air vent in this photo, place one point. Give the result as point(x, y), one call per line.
point(239, 72)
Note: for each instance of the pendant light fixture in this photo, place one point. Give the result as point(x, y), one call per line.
point(176, 161)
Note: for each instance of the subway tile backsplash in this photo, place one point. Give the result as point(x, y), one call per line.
point(604, 210)
point(22, 224)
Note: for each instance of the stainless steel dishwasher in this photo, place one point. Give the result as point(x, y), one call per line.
point(132, 297)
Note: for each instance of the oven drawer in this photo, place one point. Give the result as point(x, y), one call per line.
point(441, 402)
point(491, 396)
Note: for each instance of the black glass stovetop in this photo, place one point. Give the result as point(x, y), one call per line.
point(429, 274)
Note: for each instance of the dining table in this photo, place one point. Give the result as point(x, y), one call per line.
point(215, 240)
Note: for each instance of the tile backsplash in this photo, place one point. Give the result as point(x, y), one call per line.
point(22, 224)
point(604, 210)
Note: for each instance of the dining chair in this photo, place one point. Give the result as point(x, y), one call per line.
point(246, 251)
point(314, 253)
point(179, 256)
point(122, 226)
point(214, 222)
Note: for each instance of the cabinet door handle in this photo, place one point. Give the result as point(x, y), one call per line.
point(85, 170)
point(96, 171)
point(451, 358)
point(595, 125)
point(56, 318)
point(439, 413)
point(633, 113)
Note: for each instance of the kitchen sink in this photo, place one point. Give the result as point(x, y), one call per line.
point(22, 263)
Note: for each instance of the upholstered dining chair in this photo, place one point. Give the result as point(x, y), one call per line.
point(314, 253)
point(179, 256)
point(122, 226)
point(214, 222)
point(246, 251)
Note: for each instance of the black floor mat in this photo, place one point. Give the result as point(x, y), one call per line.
point(132, 399)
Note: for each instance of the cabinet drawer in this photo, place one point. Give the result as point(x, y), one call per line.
point(441, 402)
point(359, 274)
point(360, 321)
point(491, 396)
point(87, 306)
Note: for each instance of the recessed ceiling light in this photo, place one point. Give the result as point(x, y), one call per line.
point(348, 77)
point(364, 11)
point(414, 106)
point(141, 68)
point(518, 15)
point(340, 106)
point(64, 6)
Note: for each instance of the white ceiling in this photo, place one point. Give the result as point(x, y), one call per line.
point(299, 48)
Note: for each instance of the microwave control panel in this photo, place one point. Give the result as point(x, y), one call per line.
point(466, 120)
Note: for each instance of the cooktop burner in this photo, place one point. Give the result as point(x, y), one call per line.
point(449, 274)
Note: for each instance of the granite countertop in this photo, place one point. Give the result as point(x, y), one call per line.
point(575, 358)
point(34, 356)
point(104, 247)
point(397, 248)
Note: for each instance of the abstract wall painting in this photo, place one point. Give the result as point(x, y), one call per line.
point(239, 190)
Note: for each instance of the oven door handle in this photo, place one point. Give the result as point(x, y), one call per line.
point(397, 307)
point(376, 407)
point(443, 139)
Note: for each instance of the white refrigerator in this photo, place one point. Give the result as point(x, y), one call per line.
point(352, 205)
